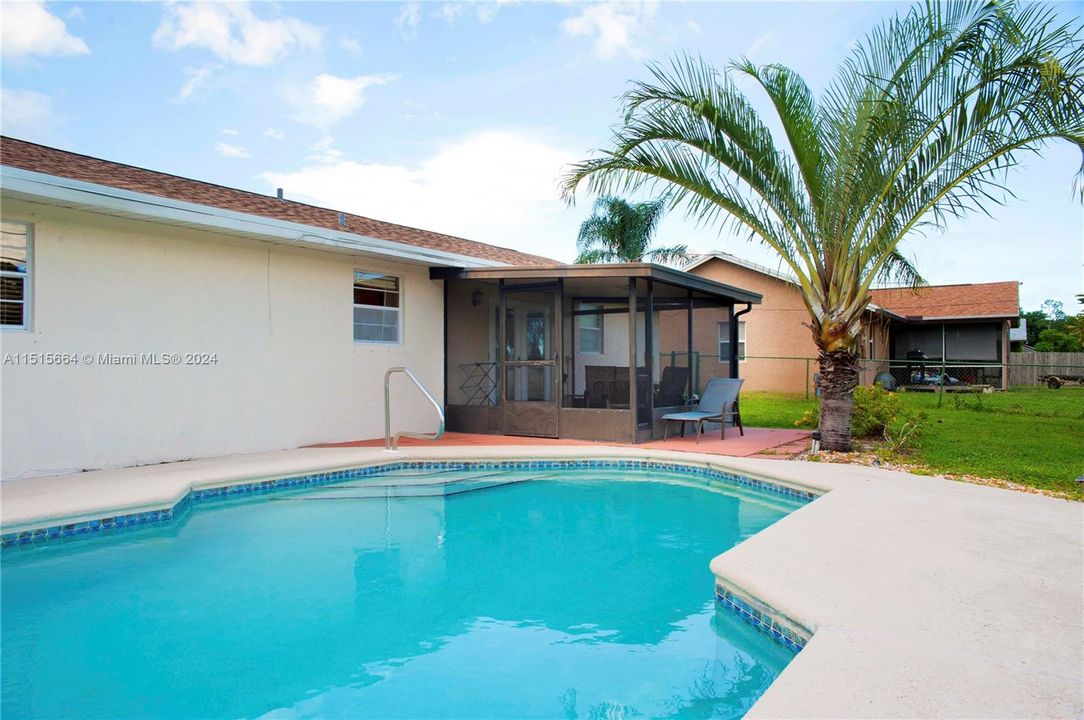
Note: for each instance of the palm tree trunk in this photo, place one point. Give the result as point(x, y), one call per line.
point(838, 379)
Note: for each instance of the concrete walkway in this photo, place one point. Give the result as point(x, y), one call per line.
point(926, 597)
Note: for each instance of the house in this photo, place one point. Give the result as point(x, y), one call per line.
point(966, 325)
point(775, 347)
point(147, 318)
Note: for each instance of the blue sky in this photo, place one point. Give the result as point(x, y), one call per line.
point(456, 117)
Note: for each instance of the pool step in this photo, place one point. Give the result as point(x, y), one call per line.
point(430, 487)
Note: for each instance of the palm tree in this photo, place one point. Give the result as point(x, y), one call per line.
point(922, 122)
point(621, 232)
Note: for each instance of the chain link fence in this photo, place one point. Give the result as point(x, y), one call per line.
point(1042, 384)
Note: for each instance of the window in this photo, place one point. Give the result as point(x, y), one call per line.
point(724, 340)
point(376, 308)
point(590, 330)
point(15, 276)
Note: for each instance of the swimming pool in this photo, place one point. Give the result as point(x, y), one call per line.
point(435, 592)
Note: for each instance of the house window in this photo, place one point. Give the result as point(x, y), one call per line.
point(376, 308)
point(590, 330)
point(15, 245)
point(724, 340)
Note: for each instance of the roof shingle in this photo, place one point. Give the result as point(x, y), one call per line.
point(51, 161)
point(997, 299)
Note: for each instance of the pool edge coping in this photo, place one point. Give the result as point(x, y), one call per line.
point(172, 502)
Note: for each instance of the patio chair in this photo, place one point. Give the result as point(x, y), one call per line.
point(600, 381)
point(719, 403)
point(672, 386)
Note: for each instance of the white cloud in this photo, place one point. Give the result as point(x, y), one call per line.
point(617, 27)
point(350, 45)
point(232, 151)
point(26, 113)
point(28, 28)
point(465, 188)
point(485, 11)
point(329, 98)
point(449, 11)
point(232, 32)
point(273, 134)
point(408, 18)
point(324, 151)
point(763, 40)
point(693, 26)
point(230, 131)
point(197, 78)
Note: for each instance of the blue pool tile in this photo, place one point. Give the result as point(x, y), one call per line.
point(711, 476)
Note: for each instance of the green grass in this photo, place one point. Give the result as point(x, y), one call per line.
point(773, 410)
point(1030, 436)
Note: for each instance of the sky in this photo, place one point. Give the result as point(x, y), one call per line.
point(458, 117)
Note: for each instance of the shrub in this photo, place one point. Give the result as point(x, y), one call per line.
point(905, 431)
point(875, 411)
point(810, 419)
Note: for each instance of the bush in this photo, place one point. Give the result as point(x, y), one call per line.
point(905, 431)
point(874, 410)
point(877, 413)
point(810, 419)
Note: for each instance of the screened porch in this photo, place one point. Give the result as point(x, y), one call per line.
point(590, 352)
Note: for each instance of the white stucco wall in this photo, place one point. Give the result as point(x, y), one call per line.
point(279, 320)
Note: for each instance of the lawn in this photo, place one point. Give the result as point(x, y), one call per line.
point(1031, 436)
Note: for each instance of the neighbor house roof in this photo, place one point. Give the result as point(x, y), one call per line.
point(779, 274)
point(930, 302)
point(952, 302)
point(698, 260)
point(51, 161)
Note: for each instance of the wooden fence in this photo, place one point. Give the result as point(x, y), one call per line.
point(1025, 368)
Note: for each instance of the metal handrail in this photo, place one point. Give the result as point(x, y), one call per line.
point(392, 442)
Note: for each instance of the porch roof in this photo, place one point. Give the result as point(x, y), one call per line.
point(649, 271)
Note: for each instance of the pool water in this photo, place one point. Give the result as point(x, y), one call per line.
point(547, 594)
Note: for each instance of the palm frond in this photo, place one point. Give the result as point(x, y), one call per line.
point(925, 121)
point(667, 255)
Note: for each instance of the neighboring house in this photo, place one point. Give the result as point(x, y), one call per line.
point(968, 325)
point(776, 346)
point(148, 318)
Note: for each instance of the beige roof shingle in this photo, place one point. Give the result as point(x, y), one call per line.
point(51, 161)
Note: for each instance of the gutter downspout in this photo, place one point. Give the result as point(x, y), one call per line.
point(734, 337)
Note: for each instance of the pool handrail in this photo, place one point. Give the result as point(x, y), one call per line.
point(391, 442)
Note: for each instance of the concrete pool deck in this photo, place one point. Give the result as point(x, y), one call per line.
point(926, 597)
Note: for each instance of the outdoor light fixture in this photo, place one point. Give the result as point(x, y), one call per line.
point(476, 297)
point(815, 446)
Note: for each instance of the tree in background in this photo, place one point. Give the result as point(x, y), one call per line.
point(1051, 330)
point(1074, 327)
point(922, 123)
point(618, 231)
